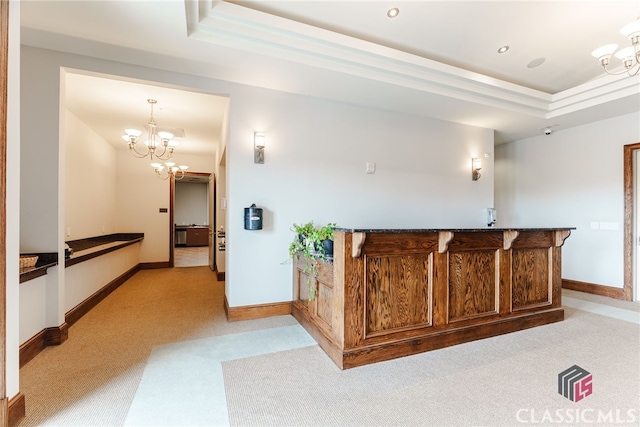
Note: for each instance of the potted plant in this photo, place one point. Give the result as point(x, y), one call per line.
point(301, 239)
point(312, 244)
point(323, 240)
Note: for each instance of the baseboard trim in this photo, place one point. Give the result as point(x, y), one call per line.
point(73, 315)
point(16, 410)
point(32, 347)
point(154, 265)
point(221, 276)
point(56, 335)
point(49, 336)
point(592, 288)
point(259, 311)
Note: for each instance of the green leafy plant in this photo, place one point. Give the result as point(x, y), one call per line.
point(325, 233)
point(300, 242)
point(307, 243)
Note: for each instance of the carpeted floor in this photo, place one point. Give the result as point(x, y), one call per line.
point(485, 382)
point(92, 378)
point(159, 351)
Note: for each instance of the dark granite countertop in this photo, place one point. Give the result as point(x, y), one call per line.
point(45, 260)
point(90, 242)
point(83, 249)
point(92, 247)
point(454, 230)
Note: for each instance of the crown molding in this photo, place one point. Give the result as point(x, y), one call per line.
point(238, 27)
point(600, 91)
point(234, 26)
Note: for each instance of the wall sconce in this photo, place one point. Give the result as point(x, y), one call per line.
point(258, 147)
point(476, 166)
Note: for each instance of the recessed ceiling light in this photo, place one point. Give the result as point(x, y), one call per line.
point(392, 13)
point(503, 49)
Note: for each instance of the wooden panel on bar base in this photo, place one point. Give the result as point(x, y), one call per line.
point(393, 293)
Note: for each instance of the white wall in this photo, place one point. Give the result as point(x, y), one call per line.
point(86, 278)
point(315, 170)
point(191, 203)
point(571, 178)
point(90, 181)
point(12, 235)
point(140, 195)
point(39, 155)
point(33, 307)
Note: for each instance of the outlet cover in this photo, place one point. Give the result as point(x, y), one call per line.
point(371, 168)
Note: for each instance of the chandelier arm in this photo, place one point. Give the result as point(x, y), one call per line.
point(616, 74)
point(181, 172)
point(136, 153)
point(162, 177)
point(162, 155)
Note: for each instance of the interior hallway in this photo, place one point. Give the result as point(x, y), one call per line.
point(92, 378)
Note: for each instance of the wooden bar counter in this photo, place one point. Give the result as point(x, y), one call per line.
point(393, 293)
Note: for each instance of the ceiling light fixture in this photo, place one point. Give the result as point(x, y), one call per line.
point(503, 49)
point(630, 55)
point(171, 170)
point(155, 139)
point(393, 12)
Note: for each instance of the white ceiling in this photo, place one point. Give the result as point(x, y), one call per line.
point(436, 59)
point(109, 106)
point(467, 34)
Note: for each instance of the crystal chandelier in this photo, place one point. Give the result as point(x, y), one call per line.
point(630, 55)
point(169, 169)
point(155, 140)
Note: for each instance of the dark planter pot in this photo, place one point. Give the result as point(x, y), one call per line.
point(327, 246)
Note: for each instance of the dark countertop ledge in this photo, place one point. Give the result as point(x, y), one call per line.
point(90, 242)
point(45, 260)
point(454, 230)
point(84, 249)
point(93, 247)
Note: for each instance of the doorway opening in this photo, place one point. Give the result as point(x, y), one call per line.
point(193, 216)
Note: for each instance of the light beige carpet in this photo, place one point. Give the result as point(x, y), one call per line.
point(504, 380)
point(92, 378)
